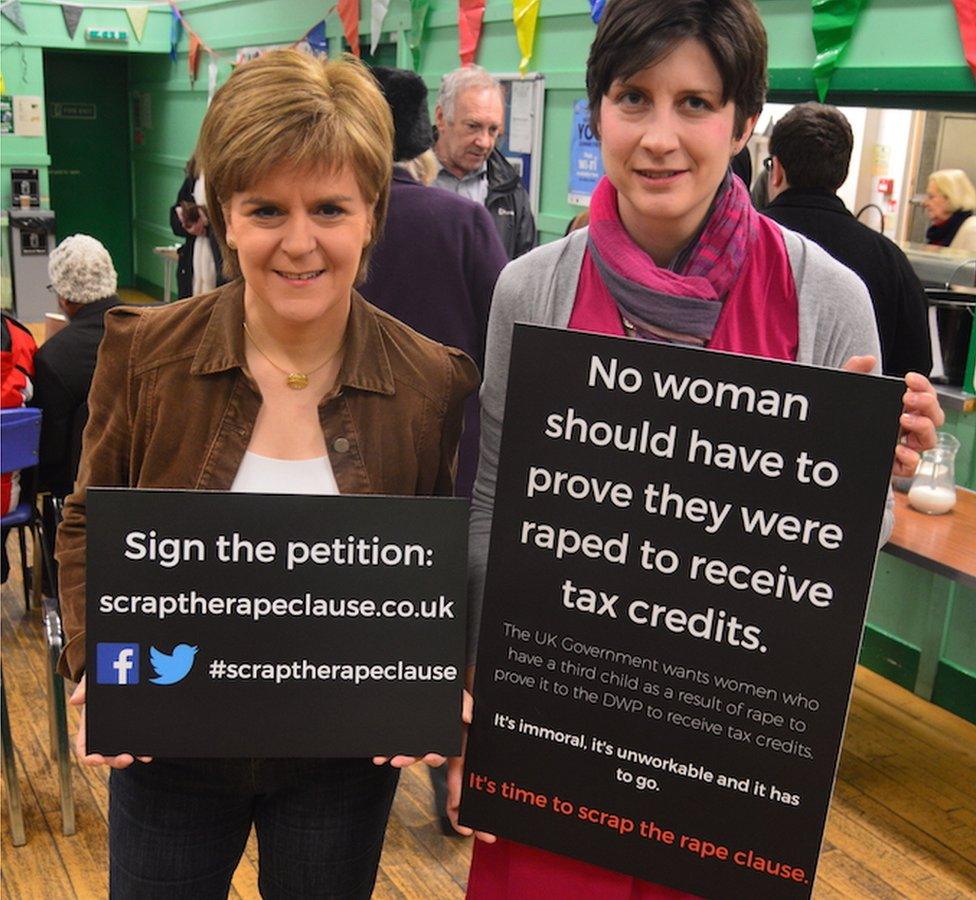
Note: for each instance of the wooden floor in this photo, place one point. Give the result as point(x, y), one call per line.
point(902, 822)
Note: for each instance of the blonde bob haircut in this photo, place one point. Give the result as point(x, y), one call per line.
point(955, 186)
point(289, 110)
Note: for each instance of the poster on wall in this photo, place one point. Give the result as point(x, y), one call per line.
point(28, 115)
point(681, 554)
point(585, 161)
point(6, 114)
point(521, 140)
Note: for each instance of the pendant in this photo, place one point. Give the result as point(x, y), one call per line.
point(297, 381)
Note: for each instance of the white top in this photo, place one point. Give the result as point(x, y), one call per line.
point(264, 475)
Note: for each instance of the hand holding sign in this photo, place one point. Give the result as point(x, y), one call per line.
point(681, 550)
point(310, 627)
point(922, 415)
point(122, 761)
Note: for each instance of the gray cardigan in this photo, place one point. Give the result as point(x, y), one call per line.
point(836, 322)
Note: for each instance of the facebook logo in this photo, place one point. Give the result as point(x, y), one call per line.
point(117, 663)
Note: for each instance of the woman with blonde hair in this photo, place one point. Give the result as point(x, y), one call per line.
point(286, 381)
point(950, 201)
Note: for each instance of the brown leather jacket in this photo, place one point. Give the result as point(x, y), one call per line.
point(172, 405)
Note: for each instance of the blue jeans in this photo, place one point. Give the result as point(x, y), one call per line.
point(177, 828)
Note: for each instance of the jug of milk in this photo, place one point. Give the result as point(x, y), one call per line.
point(933, 489)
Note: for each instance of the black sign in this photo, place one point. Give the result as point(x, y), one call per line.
point(230, 625)
point(681, 554)
point(74, 111)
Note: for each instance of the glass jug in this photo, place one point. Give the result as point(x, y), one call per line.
point(933, 489)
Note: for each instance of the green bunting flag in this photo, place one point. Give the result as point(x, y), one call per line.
point(419, 10)
point(833, 27)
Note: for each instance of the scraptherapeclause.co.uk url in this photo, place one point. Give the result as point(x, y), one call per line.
point(306, 606)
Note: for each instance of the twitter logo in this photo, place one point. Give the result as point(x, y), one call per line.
point(173, 667)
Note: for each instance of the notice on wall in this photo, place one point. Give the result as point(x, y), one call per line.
point(241, 625)
point(681, 553)
point(585, 161)
point(28, 116)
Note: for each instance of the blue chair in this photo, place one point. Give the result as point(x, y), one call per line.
point(20, 435)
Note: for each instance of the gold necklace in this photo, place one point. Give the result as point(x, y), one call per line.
point(297, 381)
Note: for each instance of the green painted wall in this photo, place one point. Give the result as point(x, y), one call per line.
point(906, 46)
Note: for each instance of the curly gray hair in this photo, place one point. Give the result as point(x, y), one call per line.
point(460, 80)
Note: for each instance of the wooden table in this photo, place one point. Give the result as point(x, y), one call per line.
point(945, 544)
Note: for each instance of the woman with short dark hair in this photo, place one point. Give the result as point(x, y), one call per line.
point(674, 252)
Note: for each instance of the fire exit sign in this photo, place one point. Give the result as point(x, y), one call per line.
point(107, 35)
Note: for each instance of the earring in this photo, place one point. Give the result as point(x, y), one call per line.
point(231, 244)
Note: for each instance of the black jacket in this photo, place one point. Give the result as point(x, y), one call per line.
point(184, 265)
point(63, 369)
point(509, 205)
point(899, 301)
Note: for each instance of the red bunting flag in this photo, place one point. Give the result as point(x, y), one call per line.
point(193, 57)
point(349, 15)
point(471, 14)
point(966, 16)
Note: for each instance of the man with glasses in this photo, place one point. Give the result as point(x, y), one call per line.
point(810, 151)
point(470, 116)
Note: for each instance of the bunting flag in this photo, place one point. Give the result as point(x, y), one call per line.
point(349, 16)
point(175, 30)
point(419, 9)
point(12, 12)
point(966, 16)
point(596, 10)
point(526, 14)
point(377, 13)
point(318, 43)
point(471, 14)
point(137, 19)
point(193, 57)
point(72, 16)
point(833, 27)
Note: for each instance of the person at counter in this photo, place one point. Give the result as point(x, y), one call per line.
point(810, 151)
point(950, 201)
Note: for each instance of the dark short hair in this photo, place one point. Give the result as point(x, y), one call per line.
point(813, 144)
point(635, 34)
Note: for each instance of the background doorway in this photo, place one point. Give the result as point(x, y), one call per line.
point(88, 140)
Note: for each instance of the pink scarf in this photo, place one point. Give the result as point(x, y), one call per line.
point(733, 287)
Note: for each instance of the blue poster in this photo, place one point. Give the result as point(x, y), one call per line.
point(585, 162)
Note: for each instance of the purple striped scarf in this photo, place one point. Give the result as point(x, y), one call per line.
point(681, 305)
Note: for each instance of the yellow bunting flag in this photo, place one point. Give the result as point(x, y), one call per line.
point(137, 18)
point(525, 14)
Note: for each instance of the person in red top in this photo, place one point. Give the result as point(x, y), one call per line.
point(16, 389)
